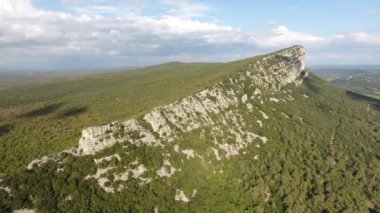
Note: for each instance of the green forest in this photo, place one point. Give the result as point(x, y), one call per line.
point(322, 155)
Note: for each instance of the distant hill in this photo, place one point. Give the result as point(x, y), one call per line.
point(345, 69)
point(360, 79)
point(262, 134)
point(14, 78)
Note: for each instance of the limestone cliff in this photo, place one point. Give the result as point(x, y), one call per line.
point(220, 115)
point(163, 124)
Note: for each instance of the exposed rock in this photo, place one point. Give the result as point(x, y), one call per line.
point(155, 209)
point(216, 110)
point(102, 183)
point(194, 193)
point(95, 139)
point(260, 123)
point(107, 158)
point(250, 107)
point(285, 115)
point(257, 91)
point(244, 98)
point(265, 116)
point(190, 153)
point(68, 198)
point(136, 173)
point(99, 172)
point(267, 196)
point(6, 189)
point(195, 111)
point(216, 152)
point(180, 196)
point(39, 162)
point(274, 100)
point(176, 148)
point(24, 211)
point(167, 170)
point(122, 176)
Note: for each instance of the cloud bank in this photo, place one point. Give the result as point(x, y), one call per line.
point(100, 34)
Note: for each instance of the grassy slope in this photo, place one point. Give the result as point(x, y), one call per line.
point(301, 168)
point(47, 118)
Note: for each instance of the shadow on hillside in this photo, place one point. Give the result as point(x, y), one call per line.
point(311, 85)
point(5, 129)
point(75, 111)
point(42, 111)
point(375, 103)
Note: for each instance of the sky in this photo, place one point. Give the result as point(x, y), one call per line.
point(58, 35)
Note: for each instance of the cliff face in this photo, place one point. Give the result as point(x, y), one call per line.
point(220, 122)
point(213, 107)
point(258, 140)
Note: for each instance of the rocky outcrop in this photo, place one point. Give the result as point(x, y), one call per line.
point(220, 109)
point(229, 114)
point(163, 124)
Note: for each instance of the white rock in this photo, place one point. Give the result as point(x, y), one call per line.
point(102, 183)
point(163, 171)
point(180, 196)
point(257, 91)
point(99, 172)
point(265, 116)
point(190, 153)
point(136, 173)
point(194, 193)
point(260, 123)
point(244, 98)
point(122, 176)
point(216, 153)
point(285, 115)
point(6, 189)
point(24, 211)
point(274, 100)
point(176, 148)
point(250, 107)
point(39, 162)
point(107, 158)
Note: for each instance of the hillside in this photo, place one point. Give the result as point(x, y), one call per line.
point(262, 134)
point(47, 118)
point(363, 80)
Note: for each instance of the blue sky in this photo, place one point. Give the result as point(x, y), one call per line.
point(90, 34)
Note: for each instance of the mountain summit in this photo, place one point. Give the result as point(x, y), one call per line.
point(270, 136)
point(265, 76)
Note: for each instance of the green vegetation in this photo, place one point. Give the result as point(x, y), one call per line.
point(48, 118)
point(364, 80)
point(323, 157)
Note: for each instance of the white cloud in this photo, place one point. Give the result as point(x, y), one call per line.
point(281, 36)
point(14, 8)
point(34, 33)
point(365, 37)
point(89, 38)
